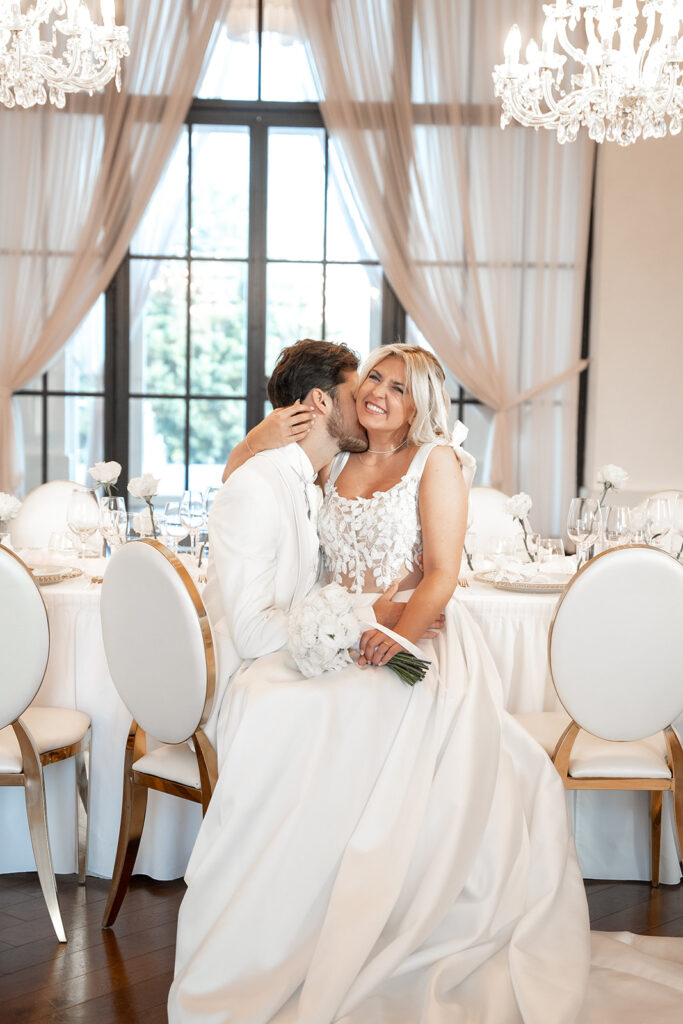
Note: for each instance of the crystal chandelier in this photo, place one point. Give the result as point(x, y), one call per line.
point(73, 54)
point(630, 81)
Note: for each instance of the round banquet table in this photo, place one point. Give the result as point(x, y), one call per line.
point(612, 830)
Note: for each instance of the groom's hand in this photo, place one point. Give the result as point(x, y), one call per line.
point(388, 612)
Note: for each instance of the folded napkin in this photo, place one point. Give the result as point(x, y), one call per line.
point(509, 571)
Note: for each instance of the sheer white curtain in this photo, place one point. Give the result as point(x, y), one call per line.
point(482, 233)
point(75, 184)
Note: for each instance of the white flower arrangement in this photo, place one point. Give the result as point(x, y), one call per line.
point(611, 477)
point(9, 506)
point(519, 507)
point(145, 487)
point(142, 523)
point(323, 627)
point(106, 474)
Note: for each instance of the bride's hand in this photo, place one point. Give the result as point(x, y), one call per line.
point(376, 648)
point(283, 426)
point(388, 612)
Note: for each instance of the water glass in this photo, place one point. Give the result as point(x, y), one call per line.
point(175, 528)
point(113, 521)
point(616, 528)
point(549, 548)
point(193, 516)
point(83, 519)
point(583, 525)
point(637, 525)
point(659, 521)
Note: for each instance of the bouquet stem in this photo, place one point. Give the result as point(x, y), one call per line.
point(605, 488)
point(524, 536)
point(155, 532)
point(408, 668)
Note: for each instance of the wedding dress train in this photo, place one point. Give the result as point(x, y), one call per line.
point(380, 854)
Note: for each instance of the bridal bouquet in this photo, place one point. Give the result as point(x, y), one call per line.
point(324, 626)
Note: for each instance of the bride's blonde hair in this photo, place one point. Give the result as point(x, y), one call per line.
point(425, 383)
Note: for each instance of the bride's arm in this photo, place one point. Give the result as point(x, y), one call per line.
point(280, 427)
point(443, 515)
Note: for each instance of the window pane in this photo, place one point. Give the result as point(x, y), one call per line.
point(75, 437)
point(158, 326)
point(353, 307)
point(80, 364)
point(285, 71)
point(157, 443)
point(218, 329)
point(163, 229)
point(294, 306)
point(215, 428)
point(296, 193)
point(220, 191)
point(347, 238)
point(232, 71)
point(31, 421)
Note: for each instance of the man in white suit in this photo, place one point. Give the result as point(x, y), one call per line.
point(262, 527)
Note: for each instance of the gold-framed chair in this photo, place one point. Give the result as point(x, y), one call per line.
point(160, 652)
point(33, 737)
point(615, 651)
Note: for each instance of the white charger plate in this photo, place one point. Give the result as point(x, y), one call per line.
point(554, 584)
point(46, 574)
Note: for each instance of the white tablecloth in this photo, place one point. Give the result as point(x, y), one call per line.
point(612, 829)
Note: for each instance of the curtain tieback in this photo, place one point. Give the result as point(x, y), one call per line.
point(545, 385)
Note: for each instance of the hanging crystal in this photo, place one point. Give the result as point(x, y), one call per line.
point(53, 47)
point(630, 84)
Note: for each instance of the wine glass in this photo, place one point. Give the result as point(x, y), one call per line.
point(209, 498)
point(175, 528)
point(193, 516)
point(677, 529)
point(83, 518)
point(113, 521)
point(583, 525)
point(659, 519)
point(615, 525)
point(550, 548)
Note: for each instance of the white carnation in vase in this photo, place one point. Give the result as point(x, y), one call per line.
point(519, 505)
point(9, 506)
point(106, 474)
point(611, 477)
point(144, 486)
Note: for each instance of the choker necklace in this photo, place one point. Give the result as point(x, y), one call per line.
point(390, 451)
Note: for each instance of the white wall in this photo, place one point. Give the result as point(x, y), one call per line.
point(635, 411)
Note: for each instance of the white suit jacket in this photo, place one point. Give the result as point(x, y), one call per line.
point(263, 559)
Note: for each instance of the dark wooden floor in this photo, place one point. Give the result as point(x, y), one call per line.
point(122, 976)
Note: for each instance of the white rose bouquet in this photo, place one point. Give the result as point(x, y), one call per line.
point(106, 474)
point(611, 477)
point(322, 629)
point(145, 487)
point(519, 507)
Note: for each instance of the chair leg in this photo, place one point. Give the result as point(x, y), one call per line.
point(656, 806)
point(675, 753)
point(132, 822)
point(82, 811)
point(34, 794)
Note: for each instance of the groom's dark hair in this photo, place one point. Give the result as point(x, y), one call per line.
point(306, 365)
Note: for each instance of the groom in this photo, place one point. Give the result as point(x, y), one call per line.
point(262, 527)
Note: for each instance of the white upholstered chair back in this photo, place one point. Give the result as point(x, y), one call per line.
point(616, 644)
point(24, 637)
point(158, 641)
point(43, 512)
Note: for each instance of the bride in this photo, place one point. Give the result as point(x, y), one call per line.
point(376, 853)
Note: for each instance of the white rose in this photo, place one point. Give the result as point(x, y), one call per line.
point(9, 506)
point(519, 505)
point(144, 486)
point(106, 473)
point(612, 476)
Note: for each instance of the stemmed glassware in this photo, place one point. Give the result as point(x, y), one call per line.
point(175, 528)
point(615, 525)
point(659, 521)
point(83, 518)
point(193, 516)
point(583, 525)
point(113, 520)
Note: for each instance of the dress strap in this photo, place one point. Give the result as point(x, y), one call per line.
point(419, 462)
point(338, 463)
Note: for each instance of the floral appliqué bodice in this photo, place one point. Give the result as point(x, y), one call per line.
point(368, 543)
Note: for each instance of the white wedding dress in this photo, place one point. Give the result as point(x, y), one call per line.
point(381, 854)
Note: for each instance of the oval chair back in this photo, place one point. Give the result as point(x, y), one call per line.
point(488, 516)
point(24, 637)
point(158, 641)
point(160, 652)
point(43, 512)
point(615, 645)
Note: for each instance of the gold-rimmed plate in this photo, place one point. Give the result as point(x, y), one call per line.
point(554, 583)
point(44, 575)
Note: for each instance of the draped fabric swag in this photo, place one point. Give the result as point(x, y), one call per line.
point(482, 233)
point(75, 184)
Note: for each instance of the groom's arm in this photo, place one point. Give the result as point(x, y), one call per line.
point(244, 535)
